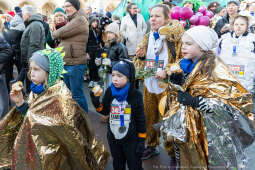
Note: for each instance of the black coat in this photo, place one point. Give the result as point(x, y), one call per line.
point(116, 52)
point(5, 54)
point(13, 37)
point(220, 24)
point(93, 45)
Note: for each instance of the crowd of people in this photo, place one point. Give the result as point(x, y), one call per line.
point(198, 87)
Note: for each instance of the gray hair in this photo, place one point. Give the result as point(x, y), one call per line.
point(28, 9)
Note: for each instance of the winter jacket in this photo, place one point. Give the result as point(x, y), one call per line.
point(135, 100)
point(131, 33)
point(116, 52)
point(220, 24)
point(33, 38)
point(95, 37)
point(5, 54)
point(13, 36)
point(74, 37)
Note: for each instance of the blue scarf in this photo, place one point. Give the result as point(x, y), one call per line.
point(120, 94)
point(187, 65)
point(37, 89)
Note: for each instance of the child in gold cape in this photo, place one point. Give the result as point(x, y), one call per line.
point(49, 131)
point(209, 120)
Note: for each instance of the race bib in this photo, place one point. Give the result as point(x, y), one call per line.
point(237, 70)
point(151, 64)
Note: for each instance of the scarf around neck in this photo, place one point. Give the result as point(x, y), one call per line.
point(37, 89)
point(187, 65)
point(120, 94)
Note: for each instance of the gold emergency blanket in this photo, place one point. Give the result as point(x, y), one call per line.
point(55, 134)
point(225, 89)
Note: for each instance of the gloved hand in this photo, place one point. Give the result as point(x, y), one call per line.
point(140, 146)
point(186, 99)
point(94, 99)
point(177, 78)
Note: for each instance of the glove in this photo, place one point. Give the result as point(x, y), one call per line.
point(186, 99)
point(140, 146)
point(98, 61)
point(94, 99)
point(177, 78)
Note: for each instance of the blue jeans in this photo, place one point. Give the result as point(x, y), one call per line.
point(74, 81)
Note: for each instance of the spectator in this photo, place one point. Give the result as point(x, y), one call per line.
point(223, 25)
point(13, 37)
point(5, 57)
point(94, 49)
point(108, 14)
point(219, 13)
point(213, 6)
point(74, 37)
point(60, 20)
point(133, 27)
point(33, 39)
point(8, 17)
point(116, 18)
point(89, 11)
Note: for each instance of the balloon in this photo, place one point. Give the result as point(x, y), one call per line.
point(202, 9)
point(184, 23)
point(175, 13)
point(186, 13)
point(199, 14)
point(194, 20)
point(204, 20)
point(210, 14)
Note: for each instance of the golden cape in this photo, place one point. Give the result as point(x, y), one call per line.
point(54, 134)
point(223, 87)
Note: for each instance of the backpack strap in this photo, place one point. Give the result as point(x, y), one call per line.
point(172, 49)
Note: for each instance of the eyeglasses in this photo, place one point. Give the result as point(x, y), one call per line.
point(67, 6)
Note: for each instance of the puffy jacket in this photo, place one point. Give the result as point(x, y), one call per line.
point(5, 54)
point(220, 23)
point(116, 52)
point(33, 38)
point(74, 37)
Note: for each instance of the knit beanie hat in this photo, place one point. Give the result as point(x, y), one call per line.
point(208, 38)
point(17, 10)
point(10, 14)
point(51, 61)
point(108, 14)
point(123, 68)
point(58, 9)
point(114, 28)
point(75, 3)
point(218, 9)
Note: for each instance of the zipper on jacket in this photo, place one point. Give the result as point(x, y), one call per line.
point(71, 51)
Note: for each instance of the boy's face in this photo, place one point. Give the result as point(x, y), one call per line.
point(110, 36)
point(119, 80)
point(37, 74)
point(240, 26)
point(190, 49)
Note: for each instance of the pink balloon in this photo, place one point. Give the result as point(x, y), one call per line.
point(184, 23)
point(175, 13)
point(202, 9)
point(204, 20)
point(186, 13)
point(210, 14)
point(194, 20)
point(199, 14)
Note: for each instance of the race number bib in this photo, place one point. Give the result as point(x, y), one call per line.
point(151, 64)
point(120, 117)
point(237, 70)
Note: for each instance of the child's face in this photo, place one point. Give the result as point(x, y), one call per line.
point(37, 74)
point(59, 17)
point(240, 26)
point(190, 49)
point(157, 18)
point(119, 80)
point(110, 36)
point(94, 24)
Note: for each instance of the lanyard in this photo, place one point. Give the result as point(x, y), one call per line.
point(95, 34)
point(122, 106)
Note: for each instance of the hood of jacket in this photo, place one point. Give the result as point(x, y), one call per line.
point(36, 17)
point(17, 23)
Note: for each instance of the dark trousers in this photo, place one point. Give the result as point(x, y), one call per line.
point(125, 153)
point(93, 68)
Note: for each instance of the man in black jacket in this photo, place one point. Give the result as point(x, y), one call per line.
point(5, 57)
point(223, 25)
point(33, 39)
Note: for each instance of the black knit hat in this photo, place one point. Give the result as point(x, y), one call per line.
point(75, 3)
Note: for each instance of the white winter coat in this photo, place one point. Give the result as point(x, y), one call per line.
point(242, 64)
point(131, 33)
